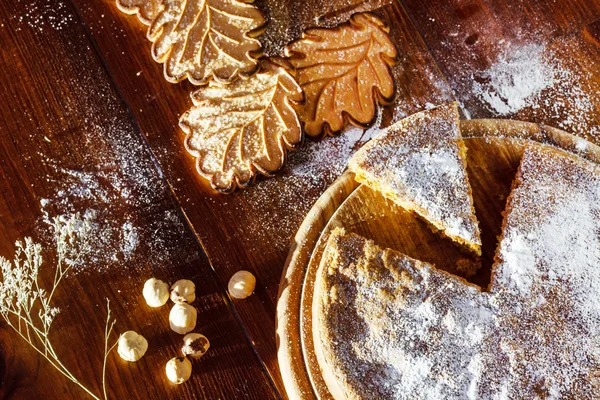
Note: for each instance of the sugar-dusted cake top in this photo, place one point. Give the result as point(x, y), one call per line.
point(388, 326)
point(419, 163)
point(547, 274)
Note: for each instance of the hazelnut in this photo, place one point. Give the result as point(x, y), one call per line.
point(179, 370)
point(156, 292)
point(183, 291)
point(241, 284)
point(132, 346)
point(195, 345)
point(183, 318)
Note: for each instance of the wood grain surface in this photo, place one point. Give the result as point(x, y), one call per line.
point(88, 123)
point(63, 123)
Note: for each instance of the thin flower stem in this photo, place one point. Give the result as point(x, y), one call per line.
point(107, 332)
point(106, 353)
point(27, 330)
point(21, 318)
point(61, 368)
point(50, 360)
point(41, 337)
point(46, 344)
point(62, 274)
point(44, 304)
point(104, 368)
point(55, 274)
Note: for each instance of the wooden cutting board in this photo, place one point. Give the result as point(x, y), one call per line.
point(494, 147)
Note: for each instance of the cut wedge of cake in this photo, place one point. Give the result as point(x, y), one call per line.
point(419, 163)
point(377, 316)
point(386, 326)
point(547, 274)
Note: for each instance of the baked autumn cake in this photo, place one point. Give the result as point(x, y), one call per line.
point(419, 163)
point(388, 326)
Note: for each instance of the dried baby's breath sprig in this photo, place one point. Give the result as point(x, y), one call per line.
point(27, 307)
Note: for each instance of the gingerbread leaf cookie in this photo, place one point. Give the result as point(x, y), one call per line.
point(343, 72)
point(146, 10)
point(244, 128)
point(205, 39)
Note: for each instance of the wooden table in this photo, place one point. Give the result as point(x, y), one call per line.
point(88, 124)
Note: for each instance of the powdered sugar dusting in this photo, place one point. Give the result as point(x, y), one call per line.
point(520, 264)
point(45, 14)
point(536, 333)
point(539, 83)
point(290, 195)
point(331, 154)
point(111, 179)
point(559, 245)
point(386, 324)
point(130, 239)
point(515, 80)
point(417, 163)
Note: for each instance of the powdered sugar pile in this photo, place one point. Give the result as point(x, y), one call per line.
point(515, 80)
point(539, 79)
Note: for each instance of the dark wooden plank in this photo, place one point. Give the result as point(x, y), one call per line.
point(531, 60)
point(251, 229)
point(67, 144)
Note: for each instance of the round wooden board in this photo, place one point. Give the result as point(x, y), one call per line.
point(494, 152)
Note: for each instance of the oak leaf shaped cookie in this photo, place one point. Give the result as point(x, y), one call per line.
point(146, 10)
point(343, 71)
point(245, 127)
point(205, 39)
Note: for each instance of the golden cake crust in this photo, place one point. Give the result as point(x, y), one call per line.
point(419, 163)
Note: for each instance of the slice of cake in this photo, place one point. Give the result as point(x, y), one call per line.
point(547, 277)
point(419, 163)
point(388, 326)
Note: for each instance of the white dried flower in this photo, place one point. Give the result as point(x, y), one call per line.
point(241, 284)
point(179, 370)
point(156, 292)
point(21, 295)
point(183, 291)
point(182, 318)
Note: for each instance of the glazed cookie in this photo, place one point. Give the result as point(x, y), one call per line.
point(344, 71)
point(244, 128)
point(205, 39)
point(146, 10)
